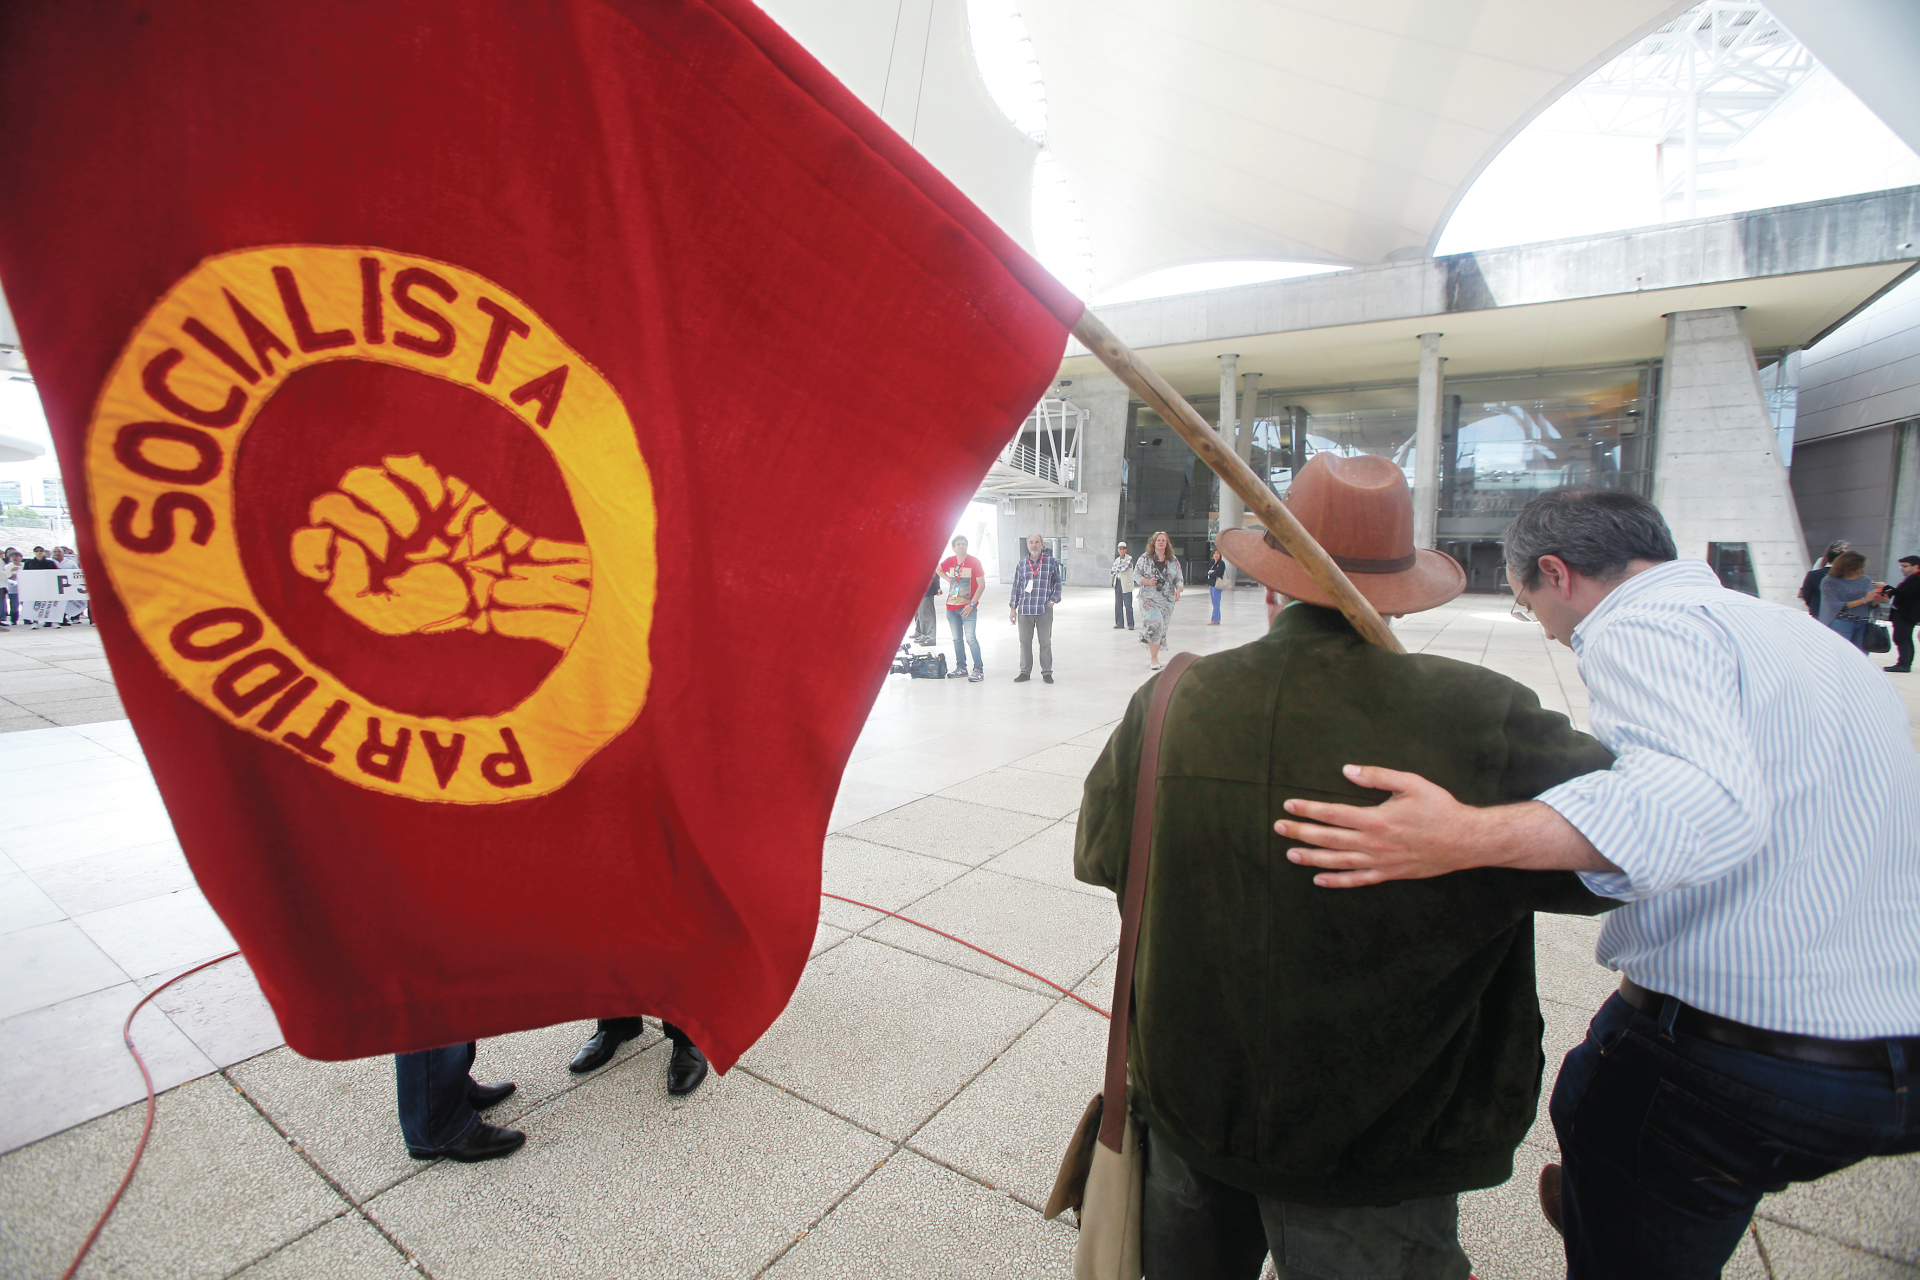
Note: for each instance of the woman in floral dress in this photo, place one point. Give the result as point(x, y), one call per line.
point(1157, 572)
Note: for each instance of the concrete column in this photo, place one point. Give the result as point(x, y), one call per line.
point(1717, 475)
point(1249, 411)
point(1426, 442)
point(1229, 378)
point(1092, 533)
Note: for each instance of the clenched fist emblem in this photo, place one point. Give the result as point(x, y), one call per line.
point(404, 550)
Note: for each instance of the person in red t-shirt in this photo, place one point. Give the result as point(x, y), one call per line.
point(966, 580)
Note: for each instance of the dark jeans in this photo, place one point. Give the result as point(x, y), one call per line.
point(1040, 624)
point(432, 1085)
point(1122, 603)
point(1195, 1227)
point(10, 608)
point(1669, 1141)
point(1903, 641)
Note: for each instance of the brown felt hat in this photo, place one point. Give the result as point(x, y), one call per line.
point(1361, 511)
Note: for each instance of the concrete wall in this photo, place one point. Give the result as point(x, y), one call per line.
point(1845, 488)
point(1867, 372)
point(1821, 235)
point(1718, 475)
point(1089, 535)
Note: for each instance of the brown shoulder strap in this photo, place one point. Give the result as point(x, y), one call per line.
point(1114, 1109)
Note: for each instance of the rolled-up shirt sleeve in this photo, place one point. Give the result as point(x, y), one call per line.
point(1684, 802)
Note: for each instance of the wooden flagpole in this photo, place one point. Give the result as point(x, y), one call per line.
point(1238, 476)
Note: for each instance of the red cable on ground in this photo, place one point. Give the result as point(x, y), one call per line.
point(140, 1148)
point(126, 1034)
point(982, 950)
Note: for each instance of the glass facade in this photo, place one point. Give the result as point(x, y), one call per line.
point(1504, 439)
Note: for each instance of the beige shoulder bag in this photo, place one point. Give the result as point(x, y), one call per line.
point(1101, 1173)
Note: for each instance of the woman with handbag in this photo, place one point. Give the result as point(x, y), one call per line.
point(1847, 598)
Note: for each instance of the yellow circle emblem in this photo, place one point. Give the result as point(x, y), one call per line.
point(396, 547)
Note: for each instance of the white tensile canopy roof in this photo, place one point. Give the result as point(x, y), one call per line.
point(1335, 131)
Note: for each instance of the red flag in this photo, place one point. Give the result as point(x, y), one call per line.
point(514, 435)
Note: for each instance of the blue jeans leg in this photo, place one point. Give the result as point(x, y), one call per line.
point(432, 1086)
point(1669, 1141)
point(964, 634)
point(1855, 631)
point(1215, 593)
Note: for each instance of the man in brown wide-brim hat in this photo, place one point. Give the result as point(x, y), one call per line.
point(1321, 1074)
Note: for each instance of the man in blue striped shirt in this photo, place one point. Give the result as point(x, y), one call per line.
point(1761, 826)
point(1036, 589)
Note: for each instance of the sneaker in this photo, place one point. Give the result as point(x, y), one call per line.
point(958, 673)
point(976, 677)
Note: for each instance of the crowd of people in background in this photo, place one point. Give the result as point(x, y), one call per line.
point(13, 562)
point(1838, 591)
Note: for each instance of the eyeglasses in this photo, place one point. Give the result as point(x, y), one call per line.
point(1524, 612)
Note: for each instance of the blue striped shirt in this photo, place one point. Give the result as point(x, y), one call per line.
point(1763, 809)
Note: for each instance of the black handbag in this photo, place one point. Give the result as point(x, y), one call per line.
point(1876, 640)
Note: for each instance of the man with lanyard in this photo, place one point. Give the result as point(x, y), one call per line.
point(1759, 824)
point(1036, 589)
point(1122, 589)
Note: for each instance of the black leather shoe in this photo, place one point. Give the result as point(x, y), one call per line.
point(482, 1096)
point(1047, 676)
point(484, 1142)
point(1550, 1195)
point(686, 1070)
point(598, 1051)
point(1022, 676)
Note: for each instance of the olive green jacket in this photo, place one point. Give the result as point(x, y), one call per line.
point(1331, 1046)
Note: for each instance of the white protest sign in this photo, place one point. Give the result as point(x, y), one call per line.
point(48, 594)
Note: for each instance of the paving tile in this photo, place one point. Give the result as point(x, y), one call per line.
point(344, 1114)
point(38, 747)
point(48, 963)
point(56, 792)
point(1564, 966)
point(1873, 1205)
point(1066, 760)
point(341, 1113)
point(347, 1248)
point(217, 1188)
point(1566, 1027)
point(67, 1063)
point(889, 878)
point(944, 827)
point(159, 933)
point(110, 879)
point(221, 1010)
point(1048, 859)
point(1098, 985)
point(1009, 1126)
point(83, 835)
point(19, 720)
point(1095, 738)
point(827, 936)
point(913, 1218)
point(23, 905)
point(884, 1037)
point(53, 681)
point(1801, 1255)
point(857, 801)
point(79, 710)
point(1022, 791)
point(918, 770)
point(618, 1182)
point(999, 912)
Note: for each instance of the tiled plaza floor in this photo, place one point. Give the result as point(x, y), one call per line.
point(902, 1119)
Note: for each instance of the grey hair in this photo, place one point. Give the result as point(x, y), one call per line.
point(1598, 532)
